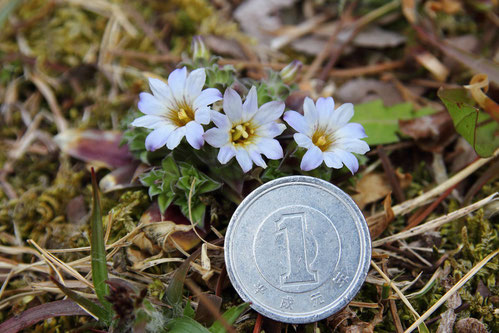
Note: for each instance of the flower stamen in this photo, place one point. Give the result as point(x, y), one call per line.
point(182, 116)
point(322, 140)
point(241, 133)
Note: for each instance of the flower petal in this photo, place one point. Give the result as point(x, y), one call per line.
point(175, 137)
point(250, 106)
point(202, 116)
point(352, 130)
point(302, 140)
point(257, 158)
point(269, 112)
point(194, 134)
point(216, 137)
point(353, 145)
point(220, 120)
point(296, 120)
point(270, 130)
point(226, 153)
point(332, 161)
point(341, 116)
point(149, 104)
point(325, 107)
point(157, 138)
point(244, 160)
point(150, 121)
point(348, 159)
point(176, 81)
point(161, 91)
point(207, 97)
point(270, 148)
point(233, 106)
point(310, 112)
point(312, 159)
point(194, 84)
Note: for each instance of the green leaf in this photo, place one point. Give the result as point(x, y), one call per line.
point(95, 309)
point(189, 311)
point(169, 166)
point(173, 295)
point(230, 316)
point(466, 118)
point(98, 249)
point(184, 325)
point(164, 202)
point(381, 123)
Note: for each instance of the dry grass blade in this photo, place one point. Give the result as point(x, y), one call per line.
point(409, 205)
point(51, 259)
point(395, 288)
point(454, 289)
point(437, 222)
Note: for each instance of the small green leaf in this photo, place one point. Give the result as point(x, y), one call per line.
point(164, 202)
point(173, 296)
point(95, 309)
point(467, 117)
point(169, 166)
point(189, 311)
point(208, 185)
point(98, 249)
point(184, 325)
point(381, 123)
point(230, 317)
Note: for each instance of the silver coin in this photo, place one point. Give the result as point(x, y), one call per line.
point(298, 249)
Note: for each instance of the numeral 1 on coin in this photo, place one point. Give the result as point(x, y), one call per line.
point(293, 225)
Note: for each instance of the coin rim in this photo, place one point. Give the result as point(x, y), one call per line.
point(361, 272)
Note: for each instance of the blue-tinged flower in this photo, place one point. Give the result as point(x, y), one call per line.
point(176, 109)
point(246, 131)
point(327, 135)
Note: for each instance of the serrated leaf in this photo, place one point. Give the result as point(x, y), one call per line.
point(169, 166)
point(230, 317)
point(208, 185)
point(381, 123)
point(95, 309)
point(98, 249)
point(466, 118)
point(164, 202)
point(184, 325)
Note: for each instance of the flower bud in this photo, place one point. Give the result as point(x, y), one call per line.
point(198, 49)
point(289, 73)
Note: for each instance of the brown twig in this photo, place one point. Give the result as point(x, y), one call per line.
point(258, 324)
point(416, 219)
point(391, 175)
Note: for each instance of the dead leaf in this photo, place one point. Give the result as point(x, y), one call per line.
point(432, 133)
point(167, 230)
point(478, 86)
point(100, 148)
point(470, 325)
point(203, 313)
point(258, 17)
point(383, 221)
point(374, 186)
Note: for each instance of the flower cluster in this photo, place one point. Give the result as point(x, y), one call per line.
point(180, 107)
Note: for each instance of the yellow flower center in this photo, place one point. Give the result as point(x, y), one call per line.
point(181, 116)
point(241, 134)
point(322, 139)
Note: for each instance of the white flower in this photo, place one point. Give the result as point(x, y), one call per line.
point(176, 109)
point(327, 135)
point(246, 131)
